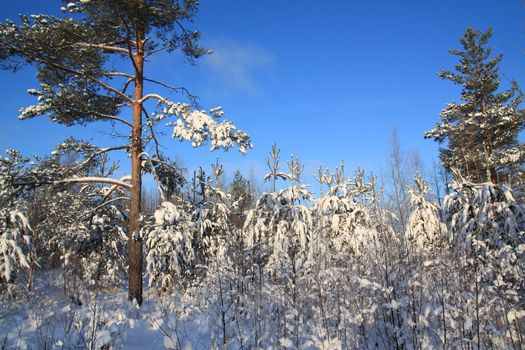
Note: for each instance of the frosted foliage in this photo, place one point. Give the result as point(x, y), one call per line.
point(211, 227)
point(15, 231)
point(307, 274)
point(106, 262)
point(199, 127)
point(424, 227)
point(39, 109)
point(15, 240)
point(10, 167)
point(285, 225)
point(294, 227)
point(259, 223)
point(87, 237)
point(168, 245)
point(345, 224)
point(484, 211)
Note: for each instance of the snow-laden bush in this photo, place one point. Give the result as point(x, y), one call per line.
point(15, 242)
point(259, 227)
point(93, 253)
point(304, 272)
point(104, 259)
point(424, 228)
point(212, 225)
point(343, 222)
point(15, 230)
point(483, 211)
point(293, 222)
point(168, 245)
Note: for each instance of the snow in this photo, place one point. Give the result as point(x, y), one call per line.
point(287, 343)
point(199, 127)
point(515, 315)
point(392, 305)
point(14, 241)
point(47, 320)
point(301, 273)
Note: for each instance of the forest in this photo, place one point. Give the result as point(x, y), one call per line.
point(93, 259)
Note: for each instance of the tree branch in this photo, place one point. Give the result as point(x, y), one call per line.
point(88, 179)
point(150, 96)
point(103, 47)
point(128, 41)
point(85, 75)
point(99, 152)
point(107, 116)
point(111, 117)
point(94, 179)
point(102, 205)
point(127, 84)
point(153, 136)
point(192, 97)
point(164, 48)
point(74, 72)
point(120, 74)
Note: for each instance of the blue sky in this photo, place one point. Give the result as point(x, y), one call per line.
point(326, 80)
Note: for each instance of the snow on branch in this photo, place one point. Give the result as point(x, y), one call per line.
point(89, 151)
point(14, 240)
point(94, 179)
point(155, 96)
point(103, 47)
point(199, 127)
point(103, 204)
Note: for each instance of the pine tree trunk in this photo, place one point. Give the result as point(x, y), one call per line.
point(134, 239)
point(491, 175)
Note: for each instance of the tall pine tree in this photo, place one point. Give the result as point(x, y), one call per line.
point(481, 132)
point(75, 56)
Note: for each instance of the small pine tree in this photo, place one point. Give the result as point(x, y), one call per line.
point(15, 231)
point(241, 193)
point(168, 246)
point(485, 212)
point(424, 228)
point(14, 241)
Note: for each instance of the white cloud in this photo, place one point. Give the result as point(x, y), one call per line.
point(234, 64)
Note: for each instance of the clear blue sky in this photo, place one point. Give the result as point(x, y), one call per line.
point(326, 80)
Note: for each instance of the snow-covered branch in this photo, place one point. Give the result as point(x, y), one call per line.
point(199, 126)
point(155, 96)
point(94, 179)
point(99, 152)
point(103, 204)
point(103, 47)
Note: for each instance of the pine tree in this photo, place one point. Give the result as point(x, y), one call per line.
point(482, 131)
point(75, 56)
point(15, 230)
point(485, 212)
point(169, 245)
point(241, 193)
point(424, 227)
point(211, 219)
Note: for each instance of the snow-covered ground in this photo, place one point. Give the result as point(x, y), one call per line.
point(47, 319)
